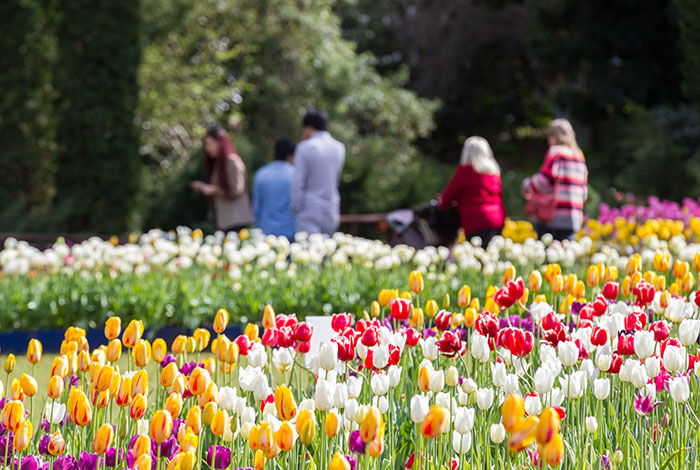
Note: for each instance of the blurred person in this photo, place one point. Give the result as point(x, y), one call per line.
point(557, 192)
point(272, 187)
point(318, 161)
point(475, 188)
point(225, 184)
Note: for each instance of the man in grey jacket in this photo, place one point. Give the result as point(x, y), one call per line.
point(318, 161)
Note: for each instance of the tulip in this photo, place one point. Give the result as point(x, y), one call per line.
point(601, 388)
point(144, 462)
point(114, 350)
point(461, 443)
point(375, 448)
point(178, 346)
point(55, 388)
point(220, 321)
point(339, 462)
point(132, 333)
point(194, 419)
point(57, 445)
point(23, 436)
point(12, 415)
point(141, 353)
point(435, 422)
point(523, 434)
point(675, 359)
point(285, 437)
point(202, 337)
point(103, 378)
point(415, 281)
point(553, 452)
point(513, 411)
point(306, 427)
point(484, 398)
point(103, 439)
point(644, 344)
point(259, 461)
point(464, 296)
point(464, 420)
point(79, 408)
point(199, 381)
point(284, 403)
point(208, 413)
point(34, 351)
point(28, 384)
point(219, 423)
point(160, 349)
point(548, 425)
point(173, 404)
point(386, 296)
point(688, 331)
point(138, 406)
point(168, 375)
point(10, 363)
point(161, 426)
point(371, 424)
point(123, 396)
point(679, 389)
point(113, 326)
point(139, 383)
point(16, 392)
point(190, 345)
point(141, 446)
point(497, 433)
point(568, 353)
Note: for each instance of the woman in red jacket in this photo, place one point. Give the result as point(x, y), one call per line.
point(475, 189)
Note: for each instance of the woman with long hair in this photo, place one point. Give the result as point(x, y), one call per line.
point(225, 184)
point(560, 186)
point(475, 188)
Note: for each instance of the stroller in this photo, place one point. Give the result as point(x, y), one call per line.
point(425, 226)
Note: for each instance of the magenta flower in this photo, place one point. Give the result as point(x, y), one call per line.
point(222, 458)
point(356, 444)
point(644, 405)
point(87, 461)
point(65, 462)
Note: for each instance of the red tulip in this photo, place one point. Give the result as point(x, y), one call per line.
point(442, 320)
point(599, 337)
point(270, 337)
point(697, 298)
point(556, 335)
point(370, 337)
point(346, 352)
point(243, 343)
point(615, 364)
point(362, 325)
point(625, 345)
point(400, 309)
point(303, 346)
point(450, 345)
point(600, 305)
point(340, 321)
point(412, 336)
point(394, 354)
point(550, 321)
point(486, 325)
point(669, 342)
point(611, 290)
point(582, 352)
point(645, 293)
point(303, 332)
point(586, 312)
point(661, 330)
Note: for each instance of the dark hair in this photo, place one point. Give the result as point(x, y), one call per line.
point(316, 118)
point(283, 148)
point(226, 148)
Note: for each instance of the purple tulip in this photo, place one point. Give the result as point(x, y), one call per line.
point(644, 405)
point(177, 422)
point(65, 462)
point(45, 425)
point(87, 461)
point(44, 444)
point(74, 380)
point(221, 459)
point(605, 462)
point(32, 462)
point(352, 460)
point(167, 449)
point(168, 359)
point(356, 444)
point(111, 457)
point(7, 447)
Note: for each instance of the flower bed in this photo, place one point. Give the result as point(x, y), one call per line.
point(597, 372)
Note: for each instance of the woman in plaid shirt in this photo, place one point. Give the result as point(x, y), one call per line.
point(563, 173)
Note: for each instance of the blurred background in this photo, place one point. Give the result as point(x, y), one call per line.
point(103, 104)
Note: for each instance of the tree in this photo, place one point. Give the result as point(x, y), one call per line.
point(98, 163)
point(689, 24)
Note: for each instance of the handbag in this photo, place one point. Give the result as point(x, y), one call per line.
point(542, 206)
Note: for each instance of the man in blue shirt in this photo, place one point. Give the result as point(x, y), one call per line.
point(272, 188)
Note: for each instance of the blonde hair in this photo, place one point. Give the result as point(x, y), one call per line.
point(563, 134)
point(477, 153)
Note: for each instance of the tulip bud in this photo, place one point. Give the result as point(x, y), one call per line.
point(306, 427)
point(534, 281)
point(123, 396)
point(113, 326)
point(591, 424)
point(132, 333)
point(34, 351)
point(202, 337)
point(10, 363)
point(12, 415)
point(28, 384)
point(210, 410)
point(161, 425)
point(415, 281)
point(268, 317)
point(138, 406)
point(103, 439)
point(55, 388)
point(446, 302)
point(220, 321)
point(375, 309)
point(178, 345)
point(190, 345)
point(114, 350)
point(431, 308)
point(160, 349)
point(168, 375)
point(139, 383)
point(617, 457)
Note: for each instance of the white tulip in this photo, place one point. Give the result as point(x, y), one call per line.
point(484, 398)
point(464, 420)
point(626, 369)
point(380, 384)
point(588, 368)
point(591, 424)
point(644, 344)
point(510, 387)
point(480, 348)
point(452, 376)
point(395, 376)
point(257, 357)
point(324, 395)
point(227, 398)
point(351, 408)
point(469, 386)
point(382, 403)
point(437, 381)
point(688, 331)
point(675, 359)
point(55, 412)
point(652, 366)
point(498, 373)
point(603, 358)
point(248, 415)
point(554, 398)
point(430, 349)
point(443, 399)
point(680, 391)
point(461, 443)
point(143, 427)
point(328, 355)
point(308, 404)
point(497, 433)
point(354, 386)
point(260, 388)
point(573, 385)
point(282, 359)
point(533, 405)
point(340, 395)
point(544, 380)
point(601, 388)
point(420, 405)
point(568, 353)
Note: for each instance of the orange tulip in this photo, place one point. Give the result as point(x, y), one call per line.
point(415, 281)
point(202, 337)
point(548, 426)
point(534, 281)
point(23, 436)
point(168, 374)
point(55, 388)
point(10, 363)
point(375, 448)
point(513, 411)
point(113, 326)
point(252, 331)
point(57, 444)
point(260, 436)
point(386, 296)
point(68, 347)
point(259, 461)
point(142, 446)
point(208, 412)
point(161, 425)
point(268, 320)
point(123, 397)
point(435, 422)
point(114, 350)
point(194, 419)
point(339, 462)
point(132, 333)
point(285, 437)
point(138, 406)
point(16, 392)
point(306, 427)
point(103, 379)
point(114, 385)
point(160, 349)
point(220, 321)
point(332, 425)
point(218, 423)
point(199, 381)
point(139, 383)
point(553, 452)
point(373, 420)
point(73, 333)
point(103, 439)
point(28, 384)
point(424, 379)
point(100, 399)
point(34, 351)
point(524, 434)
point(83, 361)
point(12, 415)
point(284, 402)
point(79, 407)
point(141, 353)
point(178, 345)
point(173, 404)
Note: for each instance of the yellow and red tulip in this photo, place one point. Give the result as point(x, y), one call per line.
point(161, 425)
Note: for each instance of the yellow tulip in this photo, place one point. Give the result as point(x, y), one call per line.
point(178, 345)
point(138, 406)
point(435, 422)
point(23, 436)
point(415, 281)
point(592, 276)
point(551, 272)
point(103, 378)
point(431, 308)
point(161, 425)
point(114, 350)
point(386, 296)
point(523, 434)
point(306, 427)
point(509, 274)
point(687, 283)
point(660, 283)
point(446, 301)
point(173, 404)
point(548, 426)
point(579, 289)
point(194, 419)
point(79, 407)
point(190, 345)
point(10, 363)
point(285, 437)
point(339, 462)
point(259, 461)
point(513, 412)
point(179, 384)
point(132, 333)
point(332, 425)
point(470, 316)
point(16, 392)
point(160, 349)
point(142, 446)
point(553, 452)
point(375, 309)
point(209, 412)
point(696, 261)
point(199, 381)
point(57, 444)
point(103, 439)
point(55, 388)
point(424, 379)
point(464, 296)
point(557, 284)
point(139, 383)
point(417, 318)
point(28, 384)
point(220, 321)
point(232, 353)
point(626, 287)
point(168, 374)
point(202, 337)
point(141, 353)
point(261, 436)
point(145, 462)
point(634, 265)
point(187, 439)
point(113, 326)
point(83, 361)
point(664, 299)
point(534, 281)
point(12, 415)
point(252, 331)
point(34, 351)
point(268, 320)
point(284, 402)
point(218, 423)
point(123, 397)
point(220, 347)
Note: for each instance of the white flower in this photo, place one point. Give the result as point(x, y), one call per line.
point(55, 412)
point(452, 376)
point(638, 377)
point(340, 395)
point(260, 387)
point(324, 395)
point(497, 433)
point(469, 386)
point(257, 357)
point(464, 420)
point(688, 332)
point(510, 387)
point(603, 358)
point(652, 366)
point(498, 373)
point(351, 408)
point(380, 384)
point(680, 391)
point(395, 376)
point(430, 349)
point(143, 427)
point(533, 405)
point(380, 357)
point(354, 386)
point(443, 399)
point(591, 424)
point(675, 359)
point(573, 385)
point(568, 353)
point(382, 403)
point(227, 398)
point(282, 359)
point(480, 348)
point(644, 344)
point(437, 381)
point(328, 355)
point(601, 388)
point(484, 398)
point(419, 408)
point(461, 443)
point(544, 380)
